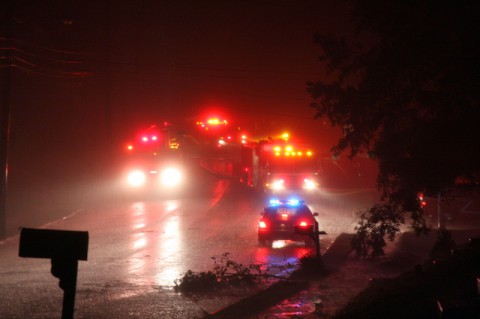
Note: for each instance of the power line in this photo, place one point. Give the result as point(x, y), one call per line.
point(53, 50)
point(42, 63)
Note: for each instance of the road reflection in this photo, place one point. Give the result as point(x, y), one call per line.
point(169, 249)
point(220, 187)
point(139, 242)
point(282, 257)
point(156, 242)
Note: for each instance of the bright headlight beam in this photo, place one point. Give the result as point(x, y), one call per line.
point(136, 178)
point(278, 184)
point(170, 177)
point(309, 184)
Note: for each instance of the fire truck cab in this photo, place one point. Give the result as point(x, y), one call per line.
point(154, 161)
point(277, 167)
point(290, 168)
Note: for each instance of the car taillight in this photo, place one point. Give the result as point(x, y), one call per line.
point(284, 216)
point(303, 224)
point(304, 228)
point(262, 224)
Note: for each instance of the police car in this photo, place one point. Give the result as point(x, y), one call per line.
point(286, 220)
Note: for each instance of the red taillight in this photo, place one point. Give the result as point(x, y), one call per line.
point(303, 224)
point(284, 216)
point(262, 224)
point(422, 201)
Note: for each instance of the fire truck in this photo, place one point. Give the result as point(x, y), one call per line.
point(277, 166)
point(220, 133)
point(153, 161)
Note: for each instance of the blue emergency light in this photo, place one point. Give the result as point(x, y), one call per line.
point(288, 202)
point(293, 202)
point(274, 202)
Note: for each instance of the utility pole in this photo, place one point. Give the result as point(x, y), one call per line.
point(441, 218)
point(6, 83)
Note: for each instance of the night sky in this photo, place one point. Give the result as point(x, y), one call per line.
point(144, 62)
point(249, 57)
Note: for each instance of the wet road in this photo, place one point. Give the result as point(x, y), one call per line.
point(138, 247)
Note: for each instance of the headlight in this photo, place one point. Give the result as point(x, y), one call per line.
point(136, 178)
point(309, 184)
point(170, 177)
point(277, 184)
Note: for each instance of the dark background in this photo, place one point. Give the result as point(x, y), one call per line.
point(89, 74)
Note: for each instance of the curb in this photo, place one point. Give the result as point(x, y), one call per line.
point(248, 307)
point(265, 299)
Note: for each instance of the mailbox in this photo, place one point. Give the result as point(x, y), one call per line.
point(48, 243)
point(65, 248)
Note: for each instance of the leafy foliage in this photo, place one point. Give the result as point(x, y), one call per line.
point(226, 273)
point(380, 222)
point(404, 89)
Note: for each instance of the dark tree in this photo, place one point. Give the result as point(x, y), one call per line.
point(405, 89)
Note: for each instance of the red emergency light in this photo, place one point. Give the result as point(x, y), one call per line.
point(149, 138)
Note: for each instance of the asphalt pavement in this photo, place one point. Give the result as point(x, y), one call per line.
point(346, 275)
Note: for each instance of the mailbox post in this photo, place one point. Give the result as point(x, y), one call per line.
point(316, 237)
point(314, 233)
point(65, 249)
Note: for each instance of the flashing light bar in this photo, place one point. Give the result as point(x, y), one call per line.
point(274, 202)
point(293, 202)
point(289, 150)
point(212, 122)
point(215, 121)
point(288, 202)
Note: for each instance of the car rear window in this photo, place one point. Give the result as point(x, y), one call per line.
point(277, 211)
